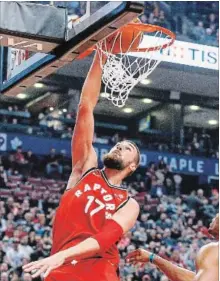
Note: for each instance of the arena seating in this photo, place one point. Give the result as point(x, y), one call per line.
point(199, 142)
point(173, 221)
point(194, 21)
point(173, 225)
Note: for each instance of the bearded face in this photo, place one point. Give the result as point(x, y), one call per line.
point(123, 155)
point(113, 161)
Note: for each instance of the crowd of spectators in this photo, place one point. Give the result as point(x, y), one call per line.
point(198, 142)
point(192, 21)
point(172, 227)
point(171, 223)
point(160, 181)
point(27, 164)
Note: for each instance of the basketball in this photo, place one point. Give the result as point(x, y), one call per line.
point(124, 41)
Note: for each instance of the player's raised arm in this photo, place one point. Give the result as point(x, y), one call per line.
point(83, 153)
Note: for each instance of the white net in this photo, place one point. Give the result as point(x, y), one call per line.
point(124, 70)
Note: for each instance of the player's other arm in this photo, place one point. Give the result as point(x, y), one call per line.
point(112, 232)
point(207, 263)
point(91, 247)
point(172, 271)
point(83, 154)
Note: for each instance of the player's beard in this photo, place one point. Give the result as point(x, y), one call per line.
point(113, 163)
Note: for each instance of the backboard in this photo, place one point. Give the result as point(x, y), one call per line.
point(30, 51)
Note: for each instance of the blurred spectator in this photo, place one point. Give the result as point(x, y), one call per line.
point(177, 181)
point(3, 224)
point(158, 190)
point(193, 201)
point(32, 161)
point(150, 174)
point(199, 31)
point(25, 248)
point(40, 227)
point(14, 254)
point(14, 121)
point(208, 38)
point(65, 162)
point(27, 277)
point(21, 164)
point(3, 177)
point(52, 164)
point(212, 19)
point(68, 134)
point(4, 276)
point(115, 138)
point(200, 194)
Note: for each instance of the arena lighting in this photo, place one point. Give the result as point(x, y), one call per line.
point(21, 96)
point(64, 110)
point(213, 122)
point(51, 108)
point(147, 100)
point(145, 81)
point(38, 85)
point(104, 95)
point(194, 107)
point(128, 110)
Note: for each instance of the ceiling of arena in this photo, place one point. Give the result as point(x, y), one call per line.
point(196, 86)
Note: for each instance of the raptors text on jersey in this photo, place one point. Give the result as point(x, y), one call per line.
point(84, 209)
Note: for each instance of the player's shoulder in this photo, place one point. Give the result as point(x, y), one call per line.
point(208, 253)
point(133, 205)
point(208, 248)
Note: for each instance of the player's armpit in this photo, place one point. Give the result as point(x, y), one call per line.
point(207, 274)
point(207, 255)
point(123, 219)
point(80, 168)
point(207, 263)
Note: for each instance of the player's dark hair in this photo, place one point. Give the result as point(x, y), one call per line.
point(138, 158)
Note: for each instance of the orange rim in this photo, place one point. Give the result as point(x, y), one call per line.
point(144, 28)
point(149, 28)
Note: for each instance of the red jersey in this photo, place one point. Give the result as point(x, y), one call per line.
point(84, 210)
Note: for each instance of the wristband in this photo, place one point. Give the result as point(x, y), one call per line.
point(152, 257)
point(110, 234)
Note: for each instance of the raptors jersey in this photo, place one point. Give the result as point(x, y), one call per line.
point(84, 210)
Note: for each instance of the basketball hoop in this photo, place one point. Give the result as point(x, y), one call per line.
point(131, 57)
